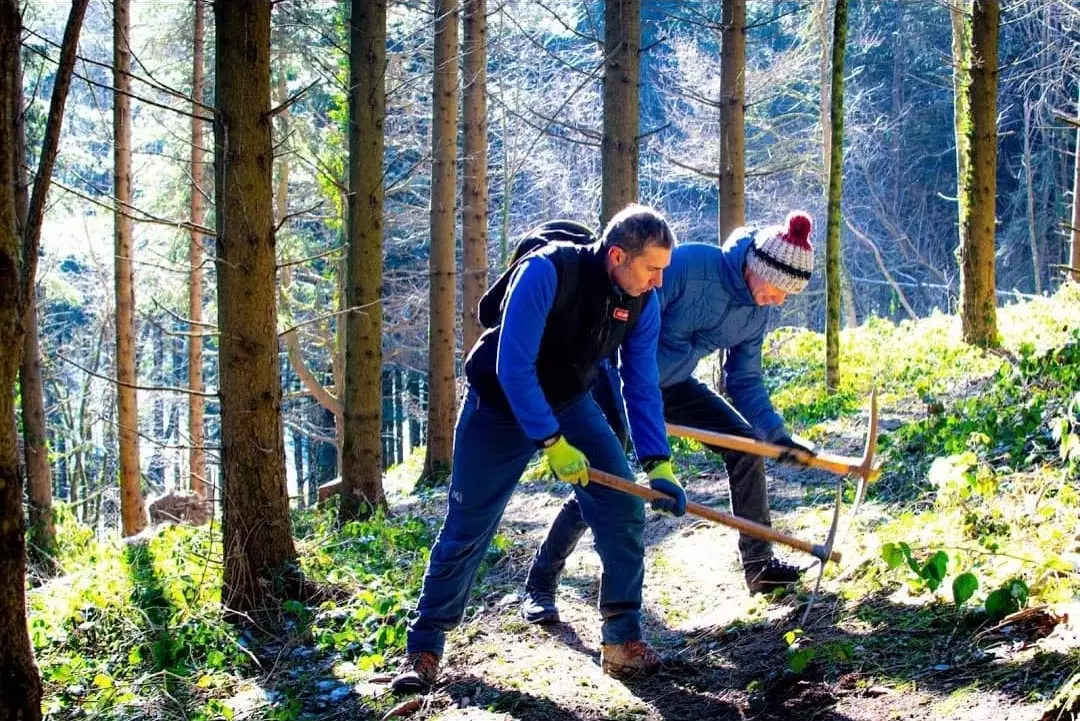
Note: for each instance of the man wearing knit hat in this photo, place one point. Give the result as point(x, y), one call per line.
point(712, 298)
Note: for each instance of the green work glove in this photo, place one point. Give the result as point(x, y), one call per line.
point(662, 478)
point(568, 463)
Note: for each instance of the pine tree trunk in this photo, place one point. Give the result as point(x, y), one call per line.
point(442, 397)
point(836, 163)
point(847, 292)
point(979, 309)
point(196, 402)
point(899, 68)
point(42, 531)
point(474, 180)
point(298, 465)
point(20, 682)
point(259, 554)
point(732, 181)
point(132, 506)
point(41, 534)
point(30, 214)
point(961, 42)
point(1074, 248)
point(361, 453)
point(155, 470)
point(622, 72)
point(1029, 188)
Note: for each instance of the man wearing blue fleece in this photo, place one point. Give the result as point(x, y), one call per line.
point(713, 298)
point(565, 308)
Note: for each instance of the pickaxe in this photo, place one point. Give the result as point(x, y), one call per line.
point(864, 468)
point(750, 528)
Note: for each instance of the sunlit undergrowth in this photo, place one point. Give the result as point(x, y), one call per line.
point(977, 512)
point(132, 629)
point(913, 361)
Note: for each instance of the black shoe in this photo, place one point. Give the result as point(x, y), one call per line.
point(764, 576)
point(539, 607)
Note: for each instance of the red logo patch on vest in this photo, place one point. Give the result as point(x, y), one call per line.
point(621, 314)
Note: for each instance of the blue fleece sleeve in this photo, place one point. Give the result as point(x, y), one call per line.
point(746, 386)
point(641, 386)
point(529, 298)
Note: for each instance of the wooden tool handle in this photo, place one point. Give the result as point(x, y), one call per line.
point(841, 465)
point(750, 528)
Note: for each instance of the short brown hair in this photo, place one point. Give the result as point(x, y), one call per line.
point(636, 227)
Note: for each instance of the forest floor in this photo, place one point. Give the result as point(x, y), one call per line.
point(957, 596)
point(882, 656)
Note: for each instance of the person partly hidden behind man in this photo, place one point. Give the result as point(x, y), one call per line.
point(712, 298)
point(560, 311)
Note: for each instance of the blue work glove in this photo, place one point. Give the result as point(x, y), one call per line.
point(797, 443)
point(662, 479)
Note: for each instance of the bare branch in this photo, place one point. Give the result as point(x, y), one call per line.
point(882, 266)
point(331, 251)
point(1070, 120)
point(110, 88)
point(296, 359)
point(175, 333)
point(166, 389)
point(327, 316)
point(180, 318)
point(143, 216)
point(296, 214)
point(36, 213)
point(153, 83)
point(291, 99)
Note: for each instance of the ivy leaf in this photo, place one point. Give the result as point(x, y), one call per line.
point(963, 587)
point(799, 660)
point(1010, 598)
point(910, 558)
point(892, 555)
point(933, 571)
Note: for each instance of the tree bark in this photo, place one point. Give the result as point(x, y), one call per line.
point(155, 468)
point(442, 397)
point(31, 212)
point(731, 184)
point(979, 310)
point(361, 453)
point(474, 180)
point(20, 682)
point(298, 465)
point(836, 163)
point(622, 73)
point(961, 42)
point(1029, 189)
point(42, 530)
point(260, 556)
point(1074, 247)
point(132, 506)
point(196, 402)
point(847, 292)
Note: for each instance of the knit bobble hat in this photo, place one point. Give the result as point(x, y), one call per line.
point(782, 254)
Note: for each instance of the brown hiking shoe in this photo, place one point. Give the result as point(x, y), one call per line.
point(633, 659)
point(418, 673)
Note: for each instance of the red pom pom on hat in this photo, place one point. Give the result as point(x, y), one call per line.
point(799, 226)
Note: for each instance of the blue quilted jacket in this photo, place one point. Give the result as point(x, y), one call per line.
point(705, 305)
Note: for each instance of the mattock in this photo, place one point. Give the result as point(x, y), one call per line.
point(864, 468)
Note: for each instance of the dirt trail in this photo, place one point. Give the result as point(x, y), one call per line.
point(726, 657)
